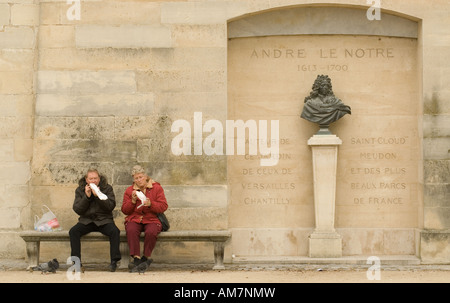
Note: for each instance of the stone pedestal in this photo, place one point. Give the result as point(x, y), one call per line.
point(324, 242)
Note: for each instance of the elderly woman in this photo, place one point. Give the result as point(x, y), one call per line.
point(142, 215)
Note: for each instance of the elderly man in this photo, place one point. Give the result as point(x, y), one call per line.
point(94, 202)
point(142, 202)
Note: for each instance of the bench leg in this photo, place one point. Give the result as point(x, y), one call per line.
point(33, 250)
point(219, 248)
point(125, 252)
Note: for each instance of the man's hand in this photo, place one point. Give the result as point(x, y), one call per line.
point(88, 190)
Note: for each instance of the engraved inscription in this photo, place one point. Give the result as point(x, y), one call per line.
point(323, 53)
point(379, 192)
point(377, 172)
point(258, 191)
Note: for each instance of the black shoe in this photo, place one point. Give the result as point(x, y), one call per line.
point(136, 262)
point(113, 266)
point(81, 268)
point(145, 260)
point(143, 266)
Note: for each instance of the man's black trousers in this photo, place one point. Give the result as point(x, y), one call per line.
point(109, 229)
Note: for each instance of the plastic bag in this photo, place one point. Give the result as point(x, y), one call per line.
point(48, 221)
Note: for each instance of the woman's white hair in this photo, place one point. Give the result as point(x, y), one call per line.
point(137, 169)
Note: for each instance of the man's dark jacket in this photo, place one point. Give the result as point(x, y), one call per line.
point(93, 209)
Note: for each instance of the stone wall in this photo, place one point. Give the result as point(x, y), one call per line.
point(109, 87)
point(19, 24)
point(104, 91)
point(435, 244)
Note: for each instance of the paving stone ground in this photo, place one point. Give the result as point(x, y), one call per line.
point(14, 271)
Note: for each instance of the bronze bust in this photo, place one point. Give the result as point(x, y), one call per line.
point(322, 106)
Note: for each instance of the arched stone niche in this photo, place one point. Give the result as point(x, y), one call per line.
point(273, 58)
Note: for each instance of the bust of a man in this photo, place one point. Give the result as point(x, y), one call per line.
point(322, 106)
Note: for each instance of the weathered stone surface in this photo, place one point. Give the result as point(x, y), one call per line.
point(62, 36)
point(10, 244)
point(95, 105)
point(199, 35)
point(14, 173)
point(155, 150)
point(181, 81)
point(96, 59)
point(86, 82)
point(437, 171)
point(436, 195)
point(6, 150)
point(87, 150)
point(193, 218)
point(200, 12)
point(23, 149)
point(55, 197)
point(102, 12)
point(436, 102)
point(25, 14)
point(16, 106)
point(436, 126)
point(123, 36)
point(176, 173)
point(399, 242)
point(68, 173)
point(92, 128)
point(152, 127)
point(16, 60)
point(271, 241)
point(362, 241)
point(17, 193)
point(17, 38)
point(196, 196)
point(436, 148)
point(436, 217)
point(16, 82)
point(161, 59)
point(4, 14)
point(104, 90)
point(212, 104)
point(435, 246)
point(308, 20)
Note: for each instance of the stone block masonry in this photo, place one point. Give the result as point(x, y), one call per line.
point(123, 36)
point(19, 22)
point(104, 89)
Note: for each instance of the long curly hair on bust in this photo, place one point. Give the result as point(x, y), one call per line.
point(321, 81)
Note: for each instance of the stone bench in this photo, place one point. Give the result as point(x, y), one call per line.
point(218, 237)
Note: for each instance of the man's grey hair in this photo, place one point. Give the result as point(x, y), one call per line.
point(91, 170)
point(137, 169)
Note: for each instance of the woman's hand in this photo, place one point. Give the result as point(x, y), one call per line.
point(147, 202)
point(133, 197)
